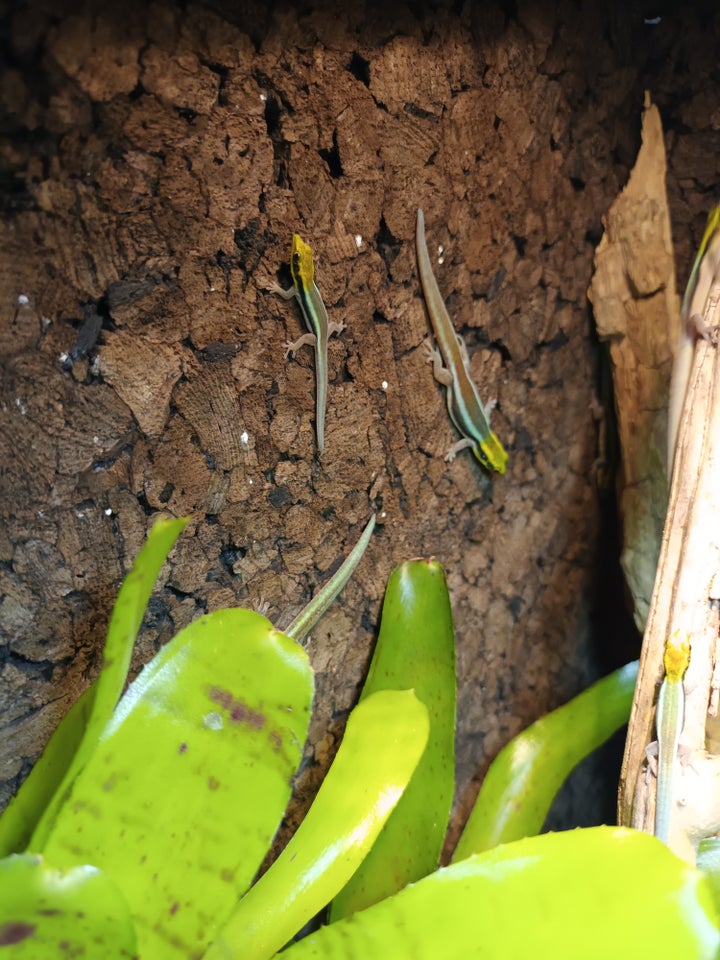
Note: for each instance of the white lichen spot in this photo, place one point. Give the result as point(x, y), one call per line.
point(263, 97)
point(213, 721)
point(63, 358)
point(21, 406)
point(250, 481)
point(96, 441)
point(358, 240)
point(108, 511)
point(23, 301)
point(80, 515)
point(383, 515)
point(244, 438)
point(440, 257)
point(384, 384)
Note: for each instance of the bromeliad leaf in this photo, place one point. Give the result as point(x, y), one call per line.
point(384, 739)
point(526, 775)
point(597, 893)
point(39, 798)
point(46, 913)
point(415, 649)
point(182, 796)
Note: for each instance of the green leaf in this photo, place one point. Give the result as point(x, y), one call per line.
point(23, 813)
point(526, 775)
point(415, 648)
point(77, 733)
point(47, 913)
point(182, 796)
point(590, 894)
point(125, 621)
point(384, 739)
point(708, 860)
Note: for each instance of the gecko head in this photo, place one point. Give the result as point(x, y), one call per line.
point(491, 454)
point(676, 655)
point(302, 268)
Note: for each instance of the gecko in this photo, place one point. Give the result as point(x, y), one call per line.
point(302, 271)
point(669, 719)
point(704, 270)
point(466, 410)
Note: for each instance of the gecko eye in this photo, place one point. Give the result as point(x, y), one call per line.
point(481, 456)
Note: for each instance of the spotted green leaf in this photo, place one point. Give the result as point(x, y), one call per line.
point(46, 913)
point(182, 796)
point(384, 739)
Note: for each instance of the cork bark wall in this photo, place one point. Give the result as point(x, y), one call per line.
point(155, 161)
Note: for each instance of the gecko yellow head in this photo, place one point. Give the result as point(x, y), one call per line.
point(677, 655)
point(302, 268)
point(491, 453)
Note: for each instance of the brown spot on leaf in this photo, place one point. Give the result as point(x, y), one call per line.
point(182, 748)
point(213, 784)
point(174, 908)
point(239, 711)
point(15, 932)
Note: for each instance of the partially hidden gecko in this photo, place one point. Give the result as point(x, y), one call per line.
point(466, 410)
point(702, 276)
point(669, 720)
point(302, 271)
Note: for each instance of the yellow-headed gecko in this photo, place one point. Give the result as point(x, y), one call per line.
point(466, 410)
point(302, 271)
point(669, 719)
point(702, 276)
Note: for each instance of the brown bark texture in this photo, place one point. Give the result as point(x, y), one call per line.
point(155, 160)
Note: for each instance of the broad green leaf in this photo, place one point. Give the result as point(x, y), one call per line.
point(595, 894)
point(184, 792)
point(415, 648)
point(526, 775)
point(46, 913)
point(384, 739)
point(36, 803)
